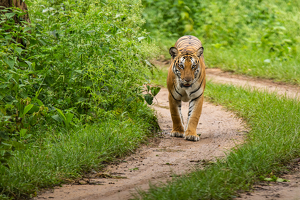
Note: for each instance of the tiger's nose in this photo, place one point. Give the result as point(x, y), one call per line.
point(188, 79)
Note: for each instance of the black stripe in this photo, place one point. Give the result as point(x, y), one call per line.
point(177, 91)
point(199, 75)
point(190, 111)
point(198, 88)
point(173, 96)
point(196, 97)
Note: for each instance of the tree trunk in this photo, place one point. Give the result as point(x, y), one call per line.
point(19, 4)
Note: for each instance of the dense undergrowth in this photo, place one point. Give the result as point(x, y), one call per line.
point(273, 141)
point(71, 92)
point(258, 38)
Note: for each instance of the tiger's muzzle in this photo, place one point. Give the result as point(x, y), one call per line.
point(186, 83)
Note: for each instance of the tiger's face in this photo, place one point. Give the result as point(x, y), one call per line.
point(186, 66)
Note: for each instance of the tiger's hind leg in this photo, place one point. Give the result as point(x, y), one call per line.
point(195, 109)
point(175, 109)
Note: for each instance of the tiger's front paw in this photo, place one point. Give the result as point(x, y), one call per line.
point(191, 135)
point(176, 134)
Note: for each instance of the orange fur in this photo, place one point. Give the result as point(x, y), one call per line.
point(186, 82)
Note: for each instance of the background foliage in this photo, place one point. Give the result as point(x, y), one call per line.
point(259, 38)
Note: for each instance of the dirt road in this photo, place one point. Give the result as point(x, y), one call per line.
point(220, 131)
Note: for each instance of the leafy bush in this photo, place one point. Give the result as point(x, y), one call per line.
point(80, 64)
point(82, 59)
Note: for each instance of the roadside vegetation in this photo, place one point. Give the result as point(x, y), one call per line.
point(273, 141)
point(260, 38)
point(71, 94)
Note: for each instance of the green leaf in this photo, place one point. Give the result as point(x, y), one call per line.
point(23, 132)
point(149, 99)
point(29, 64)
point(23, 64)
point(57, 118)
point(10, 15)
point(282, 180)
point(61, 114)
point(19, 50)
point(10, 62)
point(148, 88)
point(26, 109)
point(155, 91)
point(35, 108)
point(69, 117)
point(141, 38)
point(27, 28)
point(39, 102)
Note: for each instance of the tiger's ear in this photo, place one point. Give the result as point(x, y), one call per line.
point(200, 51)
point(173, 52)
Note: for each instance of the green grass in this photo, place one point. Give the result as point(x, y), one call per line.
point(69, 154)
point(273, 141)
point(159, 76)
point(253, 63)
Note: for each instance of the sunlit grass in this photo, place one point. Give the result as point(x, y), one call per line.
point(254, 63)
point(69, 154)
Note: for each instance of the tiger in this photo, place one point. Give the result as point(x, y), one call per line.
point(186, 82)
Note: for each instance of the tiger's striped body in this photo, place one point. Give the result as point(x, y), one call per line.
point(186, 82)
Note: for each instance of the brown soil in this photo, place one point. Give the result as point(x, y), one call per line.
point(156, 163)
point(220, 131)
